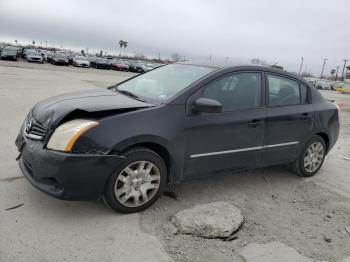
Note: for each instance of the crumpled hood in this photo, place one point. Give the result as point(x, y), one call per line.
point(52, 110)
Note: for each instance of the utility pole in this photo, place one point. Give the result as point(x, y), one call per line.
point(336, 74)
point(301, 65)
point(342, 74)
point(324, 63)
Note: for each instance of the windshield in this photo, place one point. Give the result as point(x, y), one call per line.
point(60, 56)
point(80, 58)
point(164, 82)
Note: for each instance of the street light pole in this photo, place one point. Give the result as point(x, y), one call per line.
point(336, 74)
point(301, 65)
point(342, 75)
point(324, 63)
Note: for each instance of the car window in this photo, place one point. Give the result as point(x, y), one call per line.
point(285, 92)
point(236, 92)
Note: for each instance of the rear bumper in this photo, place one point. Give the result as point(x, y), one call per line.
point(64, 175)
point(61, 62)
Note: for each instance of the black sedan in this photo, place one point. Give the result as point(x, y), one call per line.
point(9, 54)
point(100, 63)
point(133, 140)
point(136, 67)
point(59, 59)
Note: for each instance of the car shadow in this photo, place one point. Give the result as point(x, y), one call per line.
point(230, 186)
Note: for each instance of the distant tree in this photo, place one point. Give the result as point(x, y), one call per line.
point(124, 44)
point(139, 56)
point(332, 72)
point(176, 57)
point(101, 53)
point(16, 41)
point(258, 61)
point(33, 42)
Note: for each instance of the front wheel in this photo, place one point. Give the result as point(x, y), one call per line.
point(137, 182)
point(311, 157)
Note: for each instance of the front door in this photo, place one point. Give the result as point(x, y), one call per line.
point(233, 138)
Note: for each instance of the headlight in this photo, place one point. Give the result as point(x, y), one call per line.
point(67, 134)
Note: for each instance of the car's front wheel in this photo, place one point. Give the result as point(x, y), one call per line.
point(137, 182)
point(311, 157)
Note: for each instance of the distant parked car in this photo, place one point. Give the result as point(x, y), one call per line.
point(81, 61)
point(323, 84)
point(100, 63)
point(34, 57)
point(9, 54)
point(28, 51)
point(59, 59)
point(119, 65)
point(71, 57)
point(136, 67)
point(336, 84)
point(49, 57)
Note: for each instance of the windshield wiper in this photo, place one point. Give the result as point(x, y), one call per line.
point(129, 94)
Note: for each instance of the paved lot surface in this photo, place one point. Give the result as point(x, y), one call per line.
point(277, 206)
point(46, 229)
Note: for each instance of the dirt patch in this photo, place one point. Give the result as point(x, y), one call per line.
point(277, 205)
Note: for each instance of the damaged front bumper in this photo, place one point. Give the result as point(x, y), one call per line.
point(65, 175)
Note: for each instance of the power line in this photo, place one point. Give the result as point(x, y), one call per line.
point(324, 63)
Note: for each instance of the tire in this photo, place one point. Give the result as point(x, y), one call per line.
point(299, 168)
point(120, 180)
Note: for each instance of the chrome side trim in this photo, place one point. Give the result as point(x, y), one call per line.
point(282, 144)
point(243, 149)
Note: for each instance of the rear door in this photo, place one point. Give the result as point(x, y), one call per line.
point(232, 138)
point(288, 118)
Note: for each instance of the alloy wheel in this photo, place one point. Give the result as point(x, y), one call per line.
point(137, 184)
point(313, 157)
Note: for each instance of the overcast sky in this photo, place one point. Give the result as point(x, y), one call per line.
point(274, 30)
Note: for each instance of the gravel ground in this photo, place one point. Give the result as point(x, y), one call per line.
point(309, 215)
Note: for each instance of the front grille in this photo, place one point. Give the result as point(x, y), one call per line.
point(34, 130)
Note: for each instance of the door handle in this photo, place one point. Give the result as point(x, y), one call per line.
point(255, 123)
point(306, 116)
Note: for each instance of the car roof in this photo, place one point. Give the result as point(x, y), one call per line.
point(218, 63)
point(244, 65)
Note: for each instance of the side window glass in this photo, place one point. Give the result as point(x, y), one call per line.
point(283, 91)
point(236, 92)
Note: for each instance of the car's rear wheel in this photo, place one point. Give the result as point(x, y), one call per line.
point(137, 182)
point(311, 157)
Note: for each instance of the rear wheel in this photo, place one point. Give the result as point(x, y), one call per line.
point(311, 158)
point(137, 182)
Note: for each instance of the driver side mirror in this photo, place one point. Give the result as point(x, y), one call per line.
point(206, 105)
